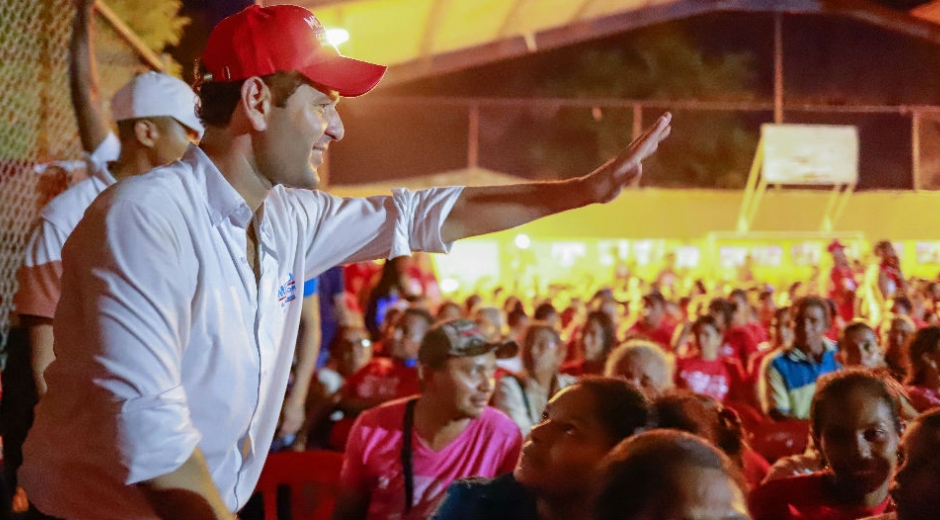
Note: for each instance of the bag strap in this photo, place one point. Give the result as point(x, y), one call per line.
point(406, 456)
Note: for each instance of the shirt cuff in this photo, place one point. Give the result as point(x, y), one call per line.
point(155, 435)
point(420, 216)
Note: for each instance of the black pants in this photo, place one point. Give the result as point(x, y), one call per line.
point(35, 514)
point(16, 413)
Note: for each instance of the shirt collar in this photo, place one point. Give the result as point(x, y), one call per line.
point(798, 355)
point(221, 197)
point(104, 174)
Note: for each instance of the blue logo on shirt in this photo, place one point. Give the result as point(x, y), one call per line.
point(285, 294)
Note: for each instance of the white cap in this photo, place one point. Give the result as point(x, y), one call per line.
point(153, 94)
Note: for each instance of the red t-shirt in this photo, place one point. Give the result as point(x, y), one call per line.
point(740, 343)
point(662, 334)
point(804, 497)
point(383, 379)
point(583, 367)
point(711, 378)
point(923, 398)
point(489, 446)
point(755, 467)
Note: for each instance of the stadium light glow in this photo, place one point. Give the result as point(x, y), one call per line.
point(335, 37)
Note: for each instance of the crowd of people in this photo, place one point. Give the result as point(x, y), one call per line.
point(193, 307)
point(733, 369)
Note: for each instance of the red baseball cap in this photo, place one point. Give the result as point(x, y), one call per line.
point(259, 41)
point(835, 245)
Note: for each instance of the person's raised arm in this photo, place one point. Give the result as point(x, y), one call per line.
point(481, 210)
point(83, 79)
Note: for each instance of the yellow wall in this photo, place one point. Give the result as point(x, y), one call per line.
point(582, 247)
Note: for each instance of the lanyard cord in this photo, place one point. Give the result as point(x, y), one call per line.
point(406, 448)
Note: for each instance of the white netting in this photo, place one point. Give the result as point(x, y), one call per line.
point(37, 123)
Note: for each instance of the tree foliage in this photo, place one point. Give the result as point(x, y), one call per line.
point(707, 148)
point(36, 117)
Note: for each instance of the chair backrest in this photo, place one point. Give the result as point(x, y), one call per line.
point(312, 478)
point(774, 440)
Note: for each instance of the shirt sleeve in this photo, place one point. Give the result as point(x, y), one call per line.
point(109, 150)
point(125, 260)
point(345, 230)
point(508, 399)
point(39, 274)
point(773, 389)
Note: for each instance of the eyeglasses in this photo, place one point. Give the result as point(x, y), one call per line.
point(364, 343)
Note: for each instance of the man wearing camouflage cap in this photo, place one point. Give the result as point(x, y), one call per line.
point(401, 456)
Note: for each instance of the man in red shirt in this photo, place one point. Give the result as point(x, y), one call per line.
point(654, 325)
point(384, 379)
point(842, 284)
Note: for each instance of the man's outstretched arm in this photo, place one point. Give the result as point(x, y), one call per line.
point(494, 208)
point(83, 79)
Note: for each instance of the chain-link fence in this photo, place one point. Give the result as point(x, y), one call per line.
point(40, 154)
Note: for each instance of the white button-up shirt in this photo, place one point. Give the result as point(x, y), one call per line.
point(166, 342)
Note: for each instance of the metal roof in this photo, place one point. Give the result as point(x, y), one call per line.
point(419, 38)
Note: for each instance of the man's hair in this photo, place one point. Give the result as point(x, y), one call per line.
point(905, 302)
point(656, 298)
point(418, 312)
point(926, 341)
point(703, 416)
point(705, 321)
point(641, 471)
point(543, 311)
point(640, 347)
point(930, 419)
point(806, 302)
point(723, 307)
point(217, 100)
point(838, 384)
point(608, 328)
point(852, 328)
point(622, 410)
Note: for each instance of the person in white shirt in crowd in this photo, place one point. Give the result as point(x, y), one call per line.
point(350, 350)
point(523, 396)
point(156, 120)
point(181, 290)
point(644, 364)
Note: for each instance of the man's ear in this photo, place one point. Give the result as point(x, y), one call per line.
point(256, 102)
point(146, 132)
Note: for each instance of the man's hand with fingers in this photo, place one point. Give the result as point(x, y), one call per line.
point(626, 168)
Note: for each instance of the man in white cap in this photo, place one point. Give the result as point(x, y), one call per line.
point(181, 291)
point(156, 120)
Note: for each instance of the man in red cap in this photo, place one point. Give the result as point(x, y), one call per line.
point(176, 329)
point(842, 284)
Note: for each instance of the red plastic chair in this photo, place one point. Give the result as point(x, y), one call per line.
point(777, 439)
point(312, 478)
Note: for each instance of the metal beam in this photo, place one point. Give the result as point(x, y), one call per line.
point(511, 22)
point(438, 10)
point(638, 17)
point(129, 36)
